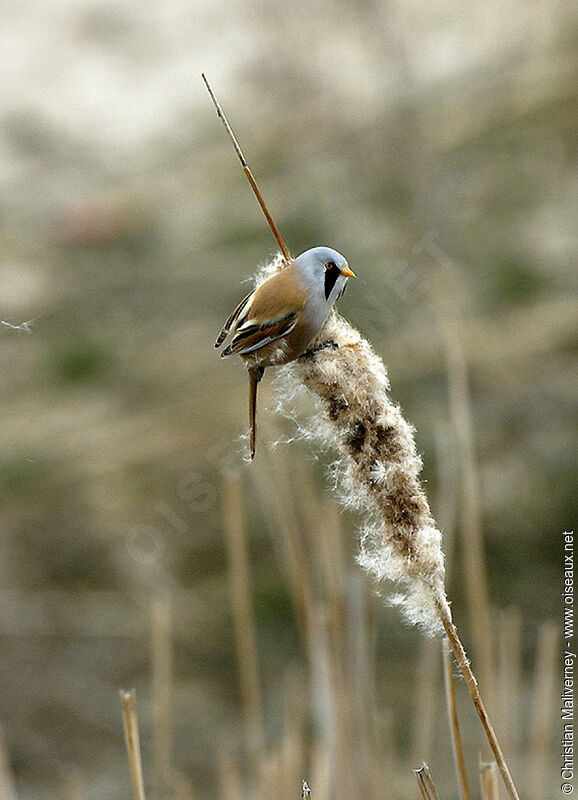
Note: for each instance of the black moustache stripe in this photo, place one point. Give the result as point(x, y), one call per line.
point(331, 276)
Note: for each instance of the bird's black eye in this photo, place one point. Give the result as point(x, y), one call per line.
point(331, 265)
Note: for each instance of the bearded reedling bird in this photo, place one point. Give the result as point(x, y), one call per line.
point(276, 323)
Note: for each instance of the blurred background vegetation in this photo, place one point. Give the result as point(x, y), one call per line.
point(434, 145)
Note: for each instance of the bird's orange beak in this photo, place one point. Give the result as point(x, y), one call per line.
point(348, 273)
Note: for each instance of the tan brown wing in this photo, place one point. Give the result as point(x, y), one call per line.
point(278, 295)
point(265, 315)
point(252, 336)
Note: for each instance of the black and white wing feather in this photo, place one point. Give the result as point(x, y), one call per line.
point(234, 318)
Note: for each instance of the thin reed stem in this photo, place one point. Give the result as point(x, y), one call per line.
point(425, 783)
point(426, 693)
point(248, 173)
point(489, 781)
point(282, 518)
point(472, 684)
point(454, 723)
point(131, 734)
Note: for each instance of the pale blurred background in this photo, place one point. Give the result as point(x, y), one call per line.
point(434, 145)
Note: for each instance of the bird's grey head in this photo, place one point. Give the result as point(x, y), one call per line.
point(323, 267)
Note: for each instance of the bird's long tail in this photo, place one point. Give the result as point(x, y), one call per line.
point(255, 375)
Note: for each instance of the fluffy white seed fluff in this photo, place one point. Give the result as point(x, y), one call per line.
point(377, 468)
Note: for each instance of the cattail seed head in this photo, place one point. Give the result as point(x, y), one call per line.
point(377, 468)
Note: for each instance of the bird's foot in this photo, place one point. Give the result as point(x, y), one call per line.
point(328, 345)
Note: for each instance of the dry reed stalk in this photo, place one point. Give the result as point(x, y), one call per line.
point(476, 584)
point(425, 783)
point(328, 558)
point(457, 744)
point(425, 704)
point(348, 773)
point(489, 781)
point(326, 701)
point(472, 684)
point(377, 472)
point(291, 760)
point(131, 735)
point(295, 714)
point(305, 790)
point(161, 645)
point(243, 618)
point(546, 680)
point(271, 480)
point(332, 636)
point(362, 675)
point(279, 767)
